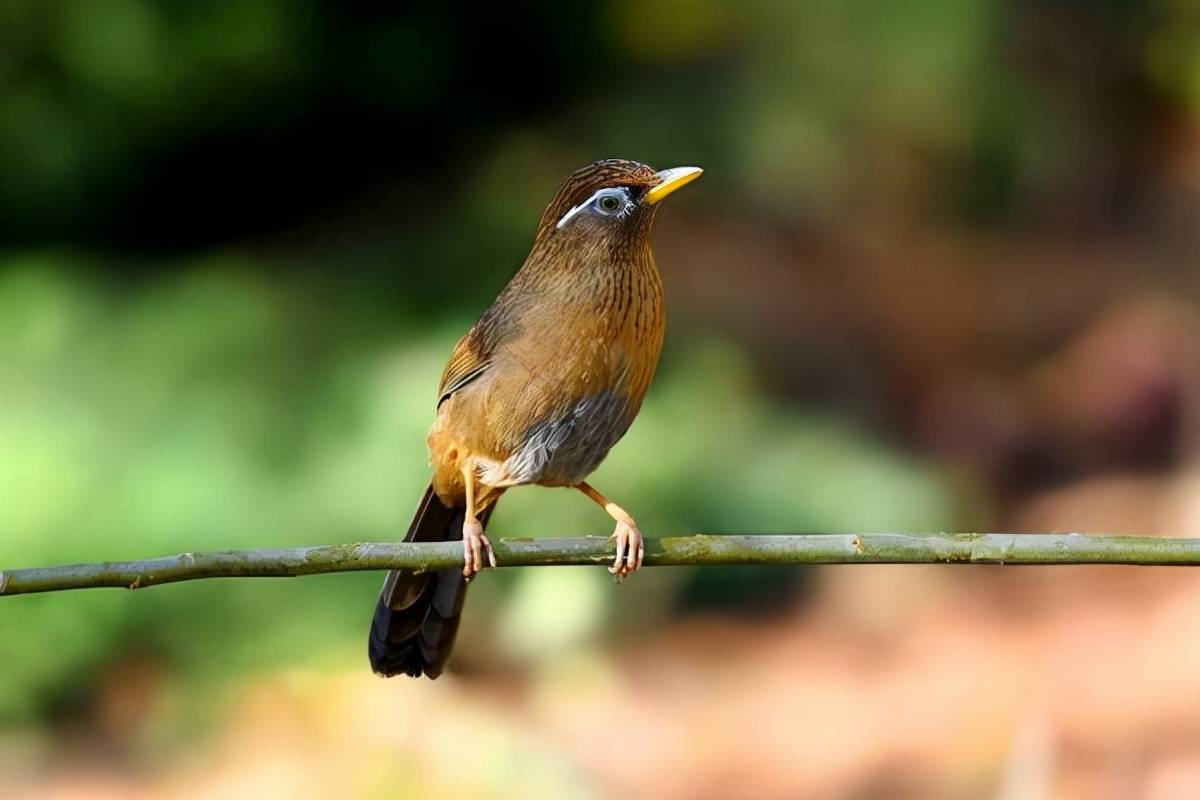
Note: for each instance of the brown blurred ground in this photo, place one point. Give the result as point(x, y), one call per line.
point(894, 682)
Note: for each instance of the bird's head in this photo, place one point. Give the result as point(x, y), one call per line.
point(611, 201)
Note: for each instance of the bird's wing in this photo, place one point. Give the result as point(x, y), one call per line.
point(469, 360)
point(473, 353)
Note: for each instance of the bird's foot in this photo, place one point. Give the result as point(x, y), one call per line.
point(630, 550)
point(474, 544)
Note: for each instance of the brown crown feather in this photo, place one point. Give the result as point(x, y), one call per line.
point(586, 181)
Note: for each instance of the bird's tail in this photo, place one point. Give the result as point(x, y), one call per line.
point(417, 616)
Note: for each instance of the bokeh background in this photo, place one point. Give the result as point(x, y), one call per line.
point(941, 274)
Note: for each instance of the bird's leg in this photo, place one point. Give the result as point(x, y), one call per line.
point(474, 540)
point(630, 546)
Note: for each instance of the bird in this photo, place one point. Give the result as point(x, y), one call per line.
point(537, 392)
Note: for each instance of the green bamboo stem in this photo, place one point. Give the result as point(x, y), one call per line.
point(701, 550)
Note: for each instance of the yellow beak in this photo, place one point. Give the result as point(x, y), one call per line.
point(670, 180)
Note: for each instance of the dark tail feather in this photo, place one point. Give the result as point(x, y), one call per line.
point(417, 616)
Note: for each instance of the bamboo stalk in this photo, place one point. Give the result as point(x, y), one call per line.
point(700, 550)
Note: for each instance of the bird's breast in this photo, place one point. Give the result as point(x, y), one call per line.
point(564, 450)
point(565, 387)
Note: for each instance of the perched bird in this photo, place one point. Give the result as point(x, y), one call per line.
point(537, 392)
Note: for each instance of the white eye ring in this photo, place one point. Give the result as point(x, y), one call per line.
point(599, 198)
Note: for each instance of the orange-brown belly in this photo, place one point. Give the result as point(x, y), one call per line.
point(553, 401)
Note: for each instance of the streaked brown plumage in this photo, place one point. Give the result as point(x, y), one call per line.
point(537, 392)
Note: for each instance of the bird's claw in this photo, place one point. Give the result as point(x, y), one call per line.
point(474, 543)
point(630, 550)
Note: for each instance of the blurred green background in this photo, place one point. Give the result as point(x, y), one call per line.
point(942, 263)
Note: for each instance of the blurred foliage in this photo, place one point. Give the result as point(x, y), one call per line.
point(208, 411)
point(170, 125)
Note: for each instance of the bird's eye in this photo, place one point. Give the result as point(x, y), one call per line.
point(609, 203)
